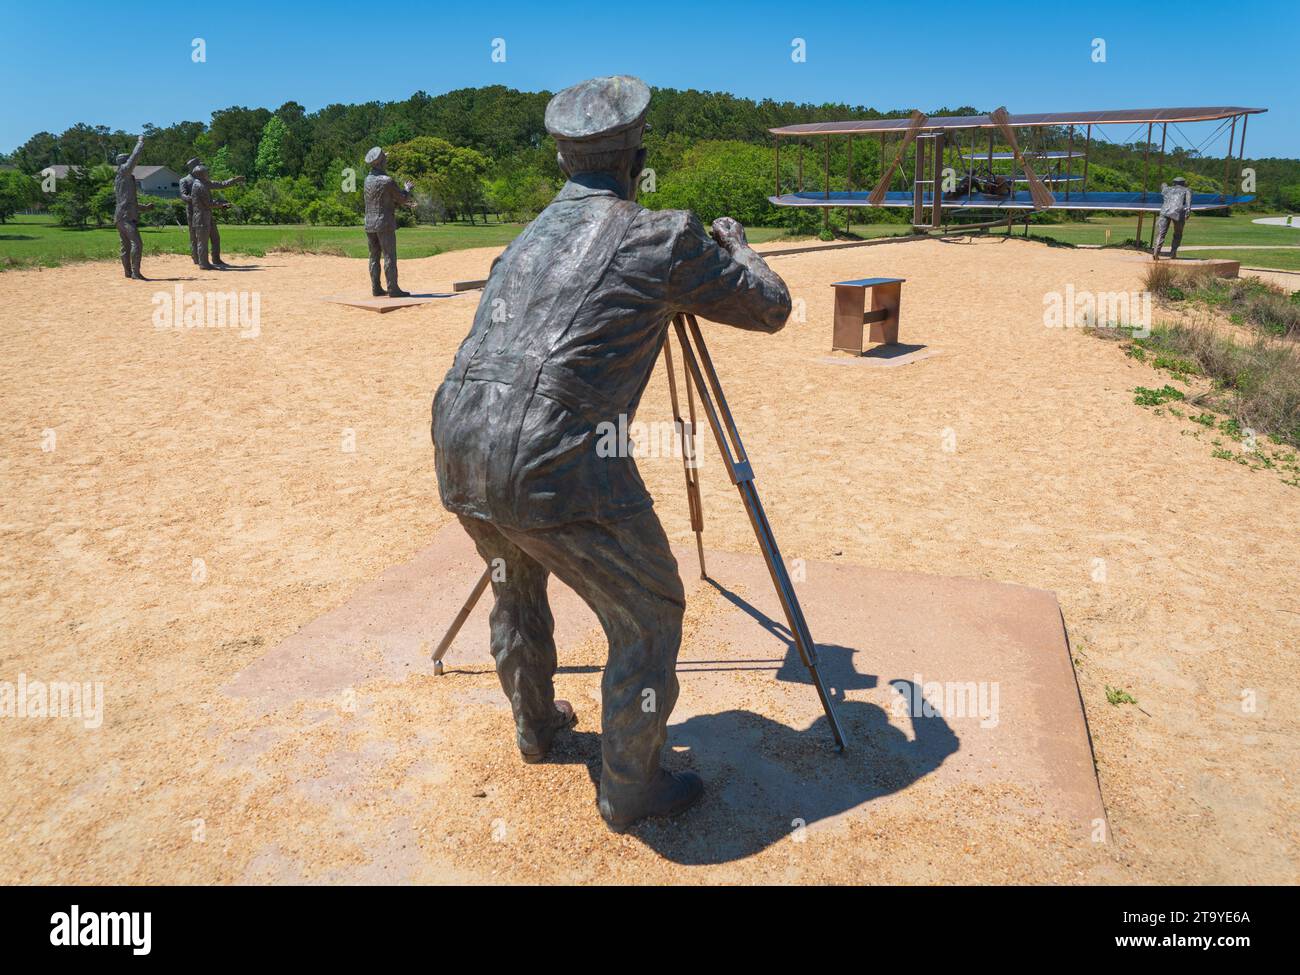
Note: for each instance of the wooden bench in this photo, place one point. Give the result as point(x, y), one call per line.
point(851, 313)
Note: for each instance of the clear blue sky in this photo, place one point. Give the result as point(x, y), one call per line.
point(105, 63)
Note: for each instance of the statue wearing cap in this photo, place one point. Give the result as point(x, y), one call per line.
point(570, 325)
point(203, 226)
point(383, 196)
point(186, 184)
point(1175, 207)
point(126, 212)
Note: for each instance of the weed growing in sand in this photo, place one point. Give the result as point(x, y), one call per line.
point(1253, 394)
point(1118, 696)
point(1154, 397)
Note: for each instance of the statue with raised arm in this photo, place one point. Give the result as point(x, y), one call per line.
point(1175, 208)
point(126, 213)
point(186, 186)
point(202, 225)
point(571, 323)
point(383, 196)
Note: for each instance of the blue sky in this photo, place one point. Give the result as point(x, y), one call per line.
point(123, 66)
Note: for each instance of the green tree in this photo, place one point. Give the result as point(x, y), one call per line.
point(717, 179)
point(74, 200)
point(451, 175)
point(219, 169)
point(238, 130)
point(270, 150)
point(18, 191)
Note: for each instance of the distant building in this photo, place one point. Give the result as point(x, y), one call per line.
point(154, 180)
point(158, 181)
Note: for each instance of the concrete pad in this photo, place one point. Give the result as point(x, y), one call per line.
point(979, 670)
point(1219, 267)
point(883, 356)
point(389, 627)
point(370, 303)
point(948, 690)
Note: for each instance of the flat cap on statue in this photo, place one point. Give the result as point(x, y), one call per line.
point(601, 114)
point(374, 155)
point(190, 164)
point(1180, 180)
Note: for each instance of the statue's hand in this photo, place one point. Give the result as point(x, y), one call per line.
point(139, 142)
point(729, 234)
point(409, 186)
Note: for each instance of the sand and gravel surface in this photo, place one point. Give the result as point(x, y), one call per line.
point(178, 501)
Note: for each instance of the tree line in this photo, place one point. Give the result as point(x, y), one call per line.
point(477, 150)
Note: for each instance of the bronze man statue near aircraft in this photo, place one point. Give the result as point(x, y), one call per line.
point(571, 323)
point(1174, 208)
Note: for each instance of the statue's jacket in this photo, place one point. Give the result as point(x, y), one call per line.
point(570, 326)
point(382, 196)
point(1176, 202)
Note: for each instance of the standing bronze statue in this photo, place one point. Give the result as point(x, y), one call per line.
point(570, 325)
point(203, 225)
point(126, 212)
point(186, 185)
point(383, 195)
point(1175, 207)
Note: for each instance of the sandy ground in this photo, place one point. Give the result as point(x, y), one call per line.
point(178, 501)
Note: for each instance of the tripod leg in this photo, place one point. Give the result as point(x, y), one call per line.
point(689, 462)
point(790, 604)
point(445, 644)
point(698, 367)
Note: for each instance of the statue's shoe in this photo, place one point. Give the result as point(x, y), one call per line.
point(378, 292)
point(207, 267)
point(398, 293)
point(138, 277)
point(565, 717)
point(667, 795)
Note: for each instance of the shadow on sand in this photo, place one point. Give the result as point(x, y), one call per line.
point(764, 779)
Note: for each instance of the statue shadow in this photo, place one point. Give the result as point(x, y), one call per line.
point(764, 780)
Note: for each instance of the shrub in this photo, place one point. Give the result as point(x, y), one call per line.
point(1248, 301)
point(726, 179)
point(329, 212)
point(1256, 382)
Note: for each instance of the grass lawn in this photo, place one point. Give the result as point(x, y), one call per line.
point(28, 240)
point(1236, 229)
point(39, 240)
point(1277, 260)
